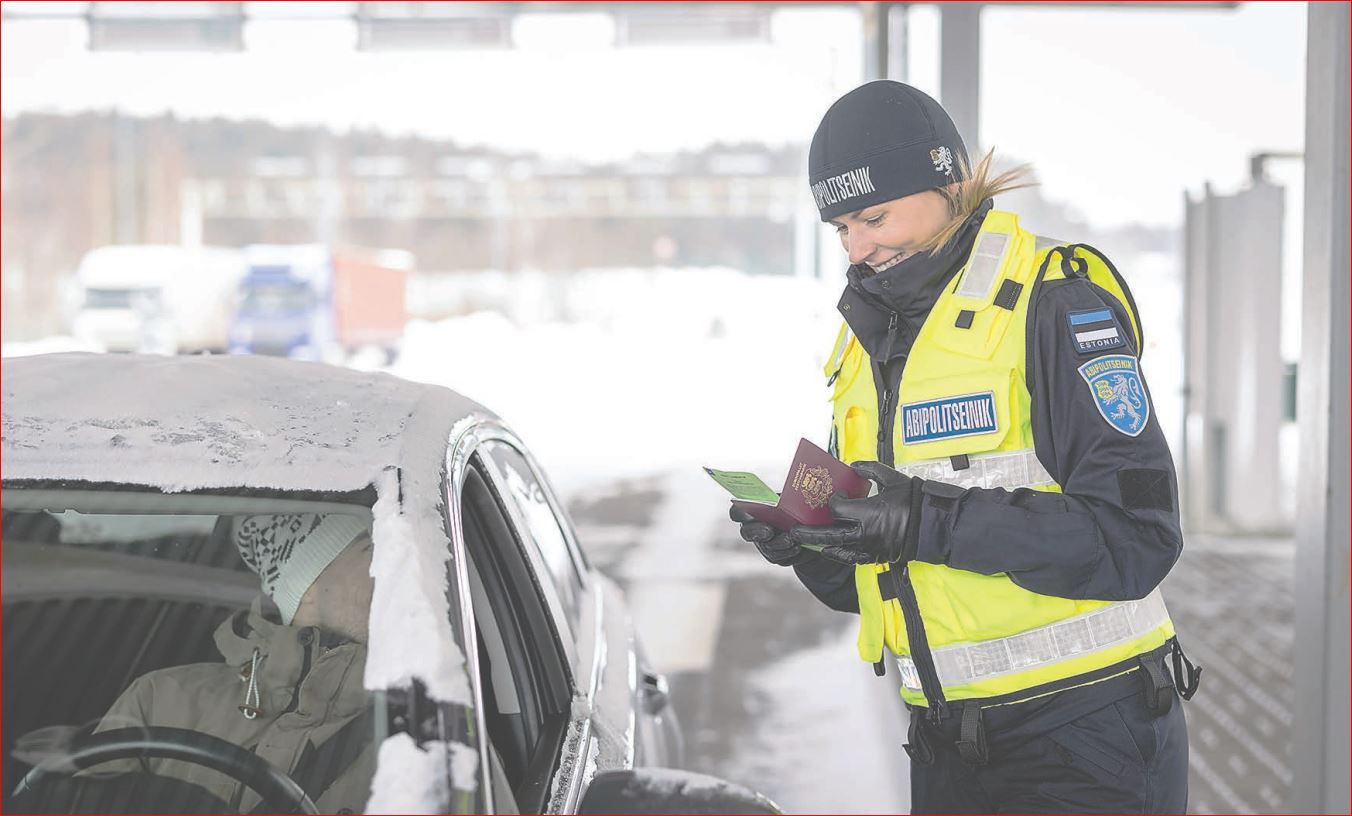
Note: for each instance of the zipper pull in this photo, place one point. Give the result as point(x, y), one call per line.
point(891, 336)
point(884, 420)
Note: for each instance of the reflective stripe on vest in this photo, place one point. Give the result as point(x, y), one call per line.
point(1103, 628)
point(1042, 242)
point(1010, 470)
point(838, 351)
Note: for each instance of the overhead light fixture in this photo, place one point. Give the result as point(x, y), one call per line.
point(166, 26)
point(687, 24)
point(439, 26)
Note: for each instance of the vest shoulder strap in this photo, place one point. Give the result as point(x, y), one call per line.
point(1084, 261)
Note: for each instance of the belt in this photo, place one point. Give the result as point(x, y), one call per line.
point(1009, 469)
point(1103, 628)
point(976, 727)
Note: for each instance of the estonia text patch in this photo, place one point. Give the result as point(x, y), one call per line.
point(1094, 330)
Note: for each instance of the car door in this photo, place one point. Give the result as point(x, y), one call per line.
point(522, 673)
point(557, 671)
point(634, 720)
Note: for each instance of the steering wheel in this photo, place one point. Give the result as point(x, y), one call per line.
point(276, 788)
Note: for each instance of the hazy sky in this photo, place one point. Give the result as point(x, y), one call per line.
point(1121, 110)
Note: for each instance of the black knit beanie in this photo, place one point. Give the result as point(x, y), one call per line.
point(881, 141)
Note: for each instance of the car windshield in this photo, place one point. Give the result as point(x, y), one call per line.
point(231, 629)
point(277, 298)
point(120, 298)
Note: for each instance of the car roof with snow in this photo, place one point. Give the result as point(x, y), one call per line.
point(196, 422)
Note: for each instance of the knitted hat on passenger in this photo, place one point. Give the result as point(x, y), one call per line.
point(882, 141)
point(290, 551)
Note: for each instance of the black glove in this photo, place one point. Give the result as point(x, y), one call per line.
point(773, 544)
point(879, 529)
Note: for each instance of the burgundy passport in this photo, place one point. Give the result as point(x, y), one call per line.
point(813, 477)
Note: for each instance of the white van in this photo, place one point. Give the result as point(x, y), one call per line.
point(160, 299)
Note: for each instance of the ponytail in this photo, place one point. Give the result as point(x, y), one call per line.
point(976, 186)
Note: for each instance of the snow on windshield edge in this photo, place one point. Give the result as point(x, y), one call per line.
point(410, 616)
point(412, 638)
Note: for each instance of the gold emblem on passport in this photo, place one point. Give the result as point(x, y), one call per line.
point(814, 484)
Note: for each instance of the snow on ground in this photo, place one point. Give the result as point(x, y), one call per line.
point(797, 755)
point(678, 581)
point(667, 368)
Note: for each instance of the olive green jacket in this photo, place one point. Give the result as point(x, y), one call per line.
point(307, 690)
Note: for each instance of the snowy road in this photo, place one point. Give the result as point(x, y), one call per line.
point(765, 679)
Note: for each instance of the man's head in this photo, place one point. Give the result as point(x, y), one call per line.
point(314, 566)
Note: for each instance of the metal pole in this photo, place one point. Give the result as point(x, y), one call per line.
point(876, 46)
point(329, 214)
point(898, 48)
point(189, 213)
point(1320, 733)
point(126, 181)
point(960, 69)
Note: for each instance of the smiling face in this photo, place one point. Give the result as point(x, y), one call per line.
point(886, 234)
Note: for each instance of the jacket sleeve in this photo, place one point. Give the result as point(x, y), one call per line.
point(829, 581)
point(1113, 532)
point(129, 710)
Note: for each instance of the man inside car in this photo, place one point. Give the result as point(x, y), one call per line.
point(290, 687)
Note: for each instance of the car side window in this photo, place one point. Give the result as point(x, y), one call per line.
point(523, 674)
point(541, 526)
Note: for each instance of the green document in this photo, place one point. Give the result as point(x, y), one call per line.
point(744, 486)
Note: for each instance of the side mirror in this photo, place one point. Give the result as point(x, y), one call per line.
point(663, 790)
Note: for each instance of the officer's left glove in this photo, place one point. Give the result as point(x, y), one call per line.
point(774, 545)
point(879, 529)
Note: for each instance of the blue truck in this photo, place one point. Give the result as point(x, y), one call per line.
point(313, 302)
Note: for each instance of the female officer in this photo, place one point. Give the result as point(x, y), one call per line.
point(987, 380)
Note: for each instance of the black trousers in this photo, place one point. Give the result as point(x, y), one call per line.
point(1118, 758)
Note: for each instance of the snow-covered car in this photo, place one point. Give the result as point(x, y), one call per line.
point(464, 658)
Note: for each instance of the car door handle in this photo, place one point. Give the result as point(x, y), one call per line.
point(656, 693)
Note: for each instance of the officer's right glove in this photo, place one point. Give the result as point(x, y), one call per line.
point(879, 529)
point(773, 544)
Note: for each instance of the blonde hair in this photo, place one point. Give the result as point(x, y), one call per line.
point(976, 186)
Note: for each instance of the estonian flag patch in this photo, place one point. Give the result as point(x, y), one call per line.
point(1094, 330)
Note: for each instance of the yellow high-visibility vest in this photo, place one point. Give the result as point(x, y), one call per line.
point(963, 417)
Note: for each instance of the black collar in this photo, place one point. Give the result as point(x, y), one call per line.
point(909, 290)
